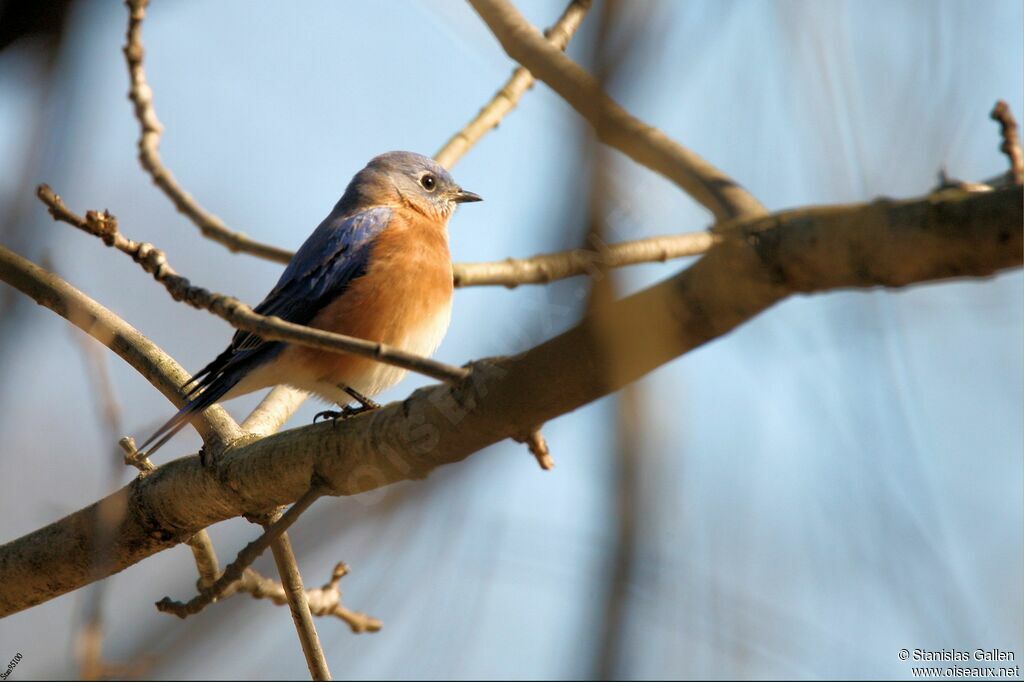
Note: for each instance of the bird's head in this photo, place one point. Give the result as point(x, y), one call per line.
point(410, 179)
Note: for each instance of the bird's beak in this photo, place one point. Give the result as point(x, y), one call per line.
point(461, 196)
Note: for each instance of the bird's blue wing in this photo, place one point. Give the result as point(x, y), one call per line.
point(337, 253)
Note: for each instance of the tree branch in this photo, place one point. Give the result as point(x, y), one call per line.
point(298, 604)
point(230, 309)
point(158, 368)
point(245, 558)
point(141, 96)
point(613, 125)
point(205, 557)
point(323, 601)
point(274, 410)
point(757, 263)
point(548, 267)
point(506, 99)
point(1011, 141)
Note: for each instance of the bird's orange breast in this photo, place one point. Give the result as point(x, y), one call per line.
point(404, 300)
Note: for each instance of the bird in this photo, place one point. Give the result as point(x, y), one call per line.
point(378, 267)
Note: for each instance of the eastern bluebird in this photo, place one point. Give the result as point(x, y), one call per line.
point(378, 267)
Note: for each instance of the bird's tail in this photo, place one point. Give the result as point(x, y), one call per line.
point(209, 385)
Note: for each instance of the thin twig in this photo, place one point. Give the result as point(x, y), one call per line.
point(295, 595)
point(549, 267)
point(946, 183)
point(245, 558)
point(1011, 140)
point(141, 96)
point(206, 558)
point(323, 601)
point(538, 446)
point(134, 458)
point(238, 314)
point(614, 126)
point(506, 99)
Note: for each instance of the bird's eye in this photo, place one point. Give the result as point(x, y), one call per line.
point(429, 182)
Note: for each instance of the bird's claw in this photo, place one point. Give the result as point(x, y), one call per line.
point(333, 415)
point(344, 413)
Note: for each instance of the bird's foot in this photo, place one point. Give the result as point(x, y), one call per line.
point(205, 458)
point(344, 413)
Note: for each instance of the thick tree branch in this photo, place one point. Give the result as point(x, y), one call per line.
point(613, 125)
point(757, 263)
point(506, 99)
point(230, 309)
